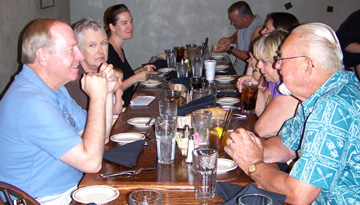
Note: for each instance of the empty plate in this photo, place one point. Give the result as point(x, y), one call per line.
point(165, 70)
point(124, 138)
point(228, 101)
point(151, 83)
point(140, 121)
point(225, 165)
point(95, 194)
point(218, 56)
point(221, 67)
point(224, 79)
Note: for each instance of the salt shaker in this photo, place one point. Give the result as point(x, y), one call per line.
point(191, 147)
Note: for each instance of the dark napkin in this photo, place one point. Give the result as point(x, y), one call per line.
point(183, 80)
point(204, 102)
point(231, 192)
point(159, 63)
point(125, 155)
point(171, 75)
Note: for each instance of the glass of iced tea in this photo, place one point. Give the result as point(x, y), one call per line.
point(216, 130)
point(173, 95)
point(248, 96)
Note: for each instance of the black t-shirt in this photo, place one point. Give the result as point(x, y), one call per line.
point(349, 32)
point(116, 61)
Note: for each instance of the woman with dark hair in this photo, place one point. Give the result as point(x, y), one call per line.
point(279, 21)
point(119, 27)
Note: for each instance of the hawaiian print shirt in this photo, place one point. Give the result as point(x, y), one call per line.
point(325, 132)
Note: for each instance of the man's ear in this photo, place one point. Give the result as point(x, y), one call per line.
point(309, 69)
point(42, 56)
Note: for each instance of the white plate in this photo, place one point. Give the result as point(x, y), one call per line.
point(217, 56)
point(162, 56)
point(124, 138)
point(225, 165)
point(95, 194)
point(228, 101)
point(221, 67)
point(151, 83)
point(165, 70)
point(224, 79)
point(140, 121)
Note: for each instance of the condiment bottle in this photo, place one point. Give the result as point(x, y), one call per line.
point(191, 147)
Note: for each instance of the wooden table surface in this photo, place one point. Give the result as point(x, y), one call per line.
point(174, 181)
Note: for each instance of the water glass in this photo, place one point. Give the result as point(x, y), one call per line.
point(182, 69)
point(171, 58)
point(167, 108)
point(210, 66)
point(198, 93)
point(205, 164)
point(258, 199)
point(192, 51)
point(145, 197)
point(165, 132)
point(211, 87)
point(197, 66)
point(248, 96)
point(201, 122)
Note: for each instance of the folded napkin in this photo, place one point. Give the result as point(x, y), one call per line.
point(159, 63)
point(125, 155)
point(231, 192)
point(142, 100)
point(171, 75)
point(204, 102)
point(184, 81)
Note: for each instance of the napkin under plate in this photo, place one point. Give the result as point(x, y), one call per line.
point(125, 155)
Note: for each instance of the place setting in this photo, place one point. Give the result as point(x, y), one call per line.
point(224, 79)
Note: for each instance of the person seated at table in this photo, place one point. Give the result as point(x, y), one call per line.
point(279, 21)
point(272, 107)
point(324, 131)
point(47, 141)
point(94, 46)
point(119, 27)
point(349, 37)
point(274, 21)
point(247, 27)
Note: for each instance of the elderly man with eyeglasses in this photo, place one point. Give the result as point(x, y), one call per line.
point(323, 136)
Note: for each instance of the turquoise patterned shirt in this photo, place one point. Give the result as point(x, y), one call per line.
point(325, 131)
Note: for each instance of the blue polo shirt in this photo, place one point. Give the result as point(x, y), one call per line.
point(326, 133)
point(37, 127)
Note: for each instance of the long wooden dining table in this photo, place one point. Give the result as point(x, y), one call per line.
point(175, 182)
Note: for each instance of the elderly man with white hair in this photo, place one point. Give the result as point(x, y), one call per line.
point(323, 134)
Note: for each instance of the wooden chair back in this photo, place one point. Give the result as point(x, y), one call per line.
point(22, 197)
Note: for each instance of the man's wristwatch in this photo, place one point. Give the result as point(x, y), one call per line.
point(230, 50)
point(252, 167)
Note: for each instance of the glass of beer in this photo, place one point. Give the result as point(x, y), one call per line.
point(248, 96)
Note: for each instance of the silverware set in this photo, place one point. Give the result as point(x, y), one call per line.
point(129, 172)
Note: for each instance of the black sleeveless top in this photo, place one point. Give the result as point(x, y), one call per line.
point(116, 61)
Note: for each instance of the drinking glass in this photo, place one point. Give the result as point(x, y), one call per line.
point(217, 130)
point(201, 122)
point(165, 132)
point(258, 199)
point(173, 95)
point(179, 53)
point(210, 66)
point(205, 163)
point(197, 66)
point(198, 93)
point(196, 82)
point(171, 57)
point(182, 69)
point(167, 108)
point(248, 96)
point(145, 197)
point(191, 50)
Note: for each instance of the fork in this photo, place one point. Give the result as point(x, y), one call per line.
point(130, 172)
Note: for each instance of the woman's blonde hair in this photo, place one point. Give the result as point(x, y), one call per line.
point(267, 46)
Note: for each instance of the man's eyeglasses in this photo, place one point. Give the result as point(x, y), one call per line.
point(279, 59)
